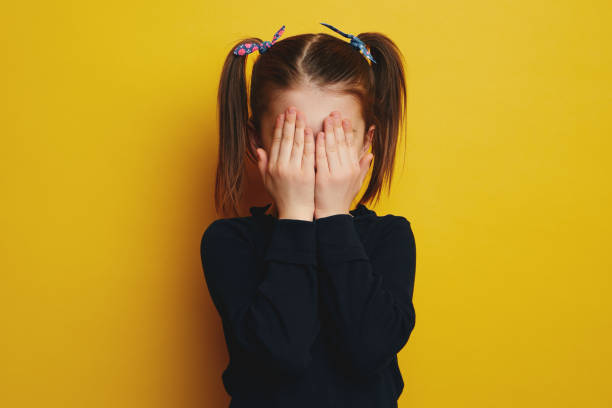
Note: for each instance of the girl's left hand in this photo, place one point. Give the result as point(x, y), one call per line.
point(339, 172)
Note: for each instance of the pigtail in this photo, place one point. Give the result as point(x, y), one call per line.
point(233, 114)
point(389, 108)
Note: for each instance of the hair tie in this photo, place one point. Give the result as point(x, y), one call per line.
point(355, 42)
point(247, 48)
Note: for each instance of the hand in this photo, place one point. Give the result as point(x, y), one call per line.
point(340, 172)
point(288, 174)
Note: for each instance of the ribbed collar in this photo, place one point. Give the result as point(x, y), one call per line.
point(360, 211)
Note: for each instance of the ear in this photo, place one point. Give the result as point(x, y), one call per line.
point(254, 139)
point(368, 140)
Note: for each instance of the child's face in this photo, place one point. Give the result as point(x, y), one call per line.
point(316, 105)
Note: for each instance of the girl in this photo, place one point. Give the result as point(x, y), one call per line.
point(315, 299)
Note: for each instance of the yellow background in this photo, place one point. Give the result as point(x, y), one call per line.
point(107, 163)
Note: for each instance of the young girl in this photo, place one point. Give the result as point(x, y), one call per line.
point(315, 298)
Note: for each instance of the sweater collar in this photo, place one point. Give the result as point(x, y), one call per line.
point(359, 211)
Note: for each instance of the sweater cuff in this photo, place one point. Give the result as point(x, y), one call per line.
point(292, 241)
point(338, 240)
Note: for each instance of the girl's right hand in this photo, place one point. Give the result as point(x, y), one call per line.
point(288, 173)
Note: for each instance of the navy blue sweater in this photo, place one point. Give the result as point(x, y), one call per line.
point(313, 312)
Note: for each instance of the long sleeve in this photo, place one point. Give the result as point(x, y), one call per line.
point(368, 301)
point(273, 319)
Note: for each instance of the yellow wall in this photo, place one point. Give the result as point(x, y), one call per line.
point(107, 165)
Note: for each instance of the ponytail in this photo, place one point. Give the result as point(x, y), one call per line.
point(389, 108)
point(233, 115)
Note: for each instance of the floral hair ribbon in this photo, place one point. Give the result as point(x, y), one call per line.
point(355, 42)
point(250, 47)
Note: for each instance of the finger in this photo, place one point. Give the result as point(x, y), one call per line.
point(298, 139)
point(276, 139)
point(330, 145)
point(308, 161)
point(343, 155)
point(320, 155)
point(287, 140)
point(347, 127)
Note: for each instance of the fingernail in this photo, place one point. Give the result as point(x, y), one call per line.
point(292, 110)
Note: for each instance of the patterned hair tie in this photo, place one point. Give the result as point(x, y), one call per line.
point(355, 42)
point(249, 47)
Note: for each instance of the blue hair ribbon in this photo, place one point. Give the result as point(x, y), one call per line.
point(355, 42)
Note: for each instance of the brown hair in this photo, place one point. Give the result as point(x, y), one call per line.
point(323, 60)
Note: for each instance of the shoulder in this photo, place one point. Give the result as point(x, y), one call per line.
point(382, 223)
point(395, 228)
point(394, 243)
point(226, 241)
point(392, 219)
point(226, 231)
point(391, 223)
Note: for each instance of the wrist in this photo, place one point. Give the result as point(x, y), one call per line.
point(294, 216)
point(323, 214)
point(294, 212)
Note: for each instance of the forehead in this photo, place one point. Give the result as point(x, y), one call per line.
point(317, 103)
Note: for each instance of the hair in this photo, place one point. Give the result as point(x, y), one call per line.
point(322, 60)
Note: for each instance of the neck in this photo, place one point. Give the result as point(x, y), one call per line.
point(274, 211)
